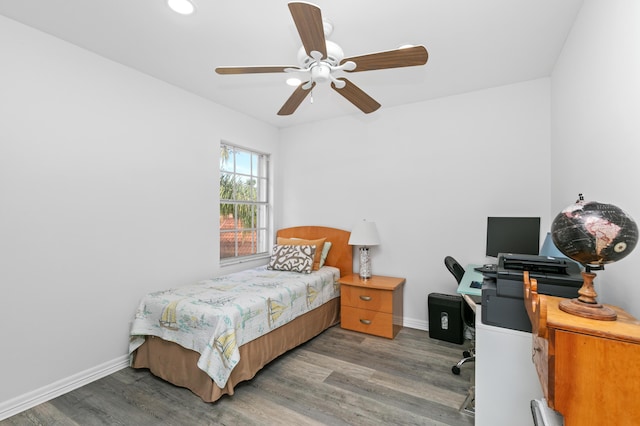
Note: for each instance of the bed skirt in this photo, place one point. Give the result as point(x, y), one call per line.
point(178, 365)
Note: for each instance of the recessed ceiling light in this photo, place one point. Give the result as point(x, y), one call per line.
point(183, 7)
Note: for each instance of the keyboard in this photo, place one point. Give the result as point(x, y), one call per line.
point(487, 269)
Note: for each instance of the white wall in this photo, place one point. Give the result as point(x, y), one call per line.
point(595, 132)
point(428, 174)
point(108, 183)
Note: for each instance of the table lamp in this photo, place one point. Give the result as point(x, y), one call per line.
point(364, 234)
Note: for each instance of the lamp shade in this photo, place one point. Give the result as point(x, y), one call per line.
point(364, 234)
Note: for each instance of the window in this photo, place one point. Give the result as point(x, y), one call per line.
point(244, 202)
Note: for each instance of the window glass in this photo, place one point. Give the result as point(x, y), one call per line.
point(244, 202)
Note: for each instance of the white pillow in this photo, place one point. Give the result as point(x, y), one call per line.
point(325, 252)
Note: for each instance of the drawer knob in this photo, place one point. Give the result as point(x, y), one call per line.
point(365, 298)
point(366, 322)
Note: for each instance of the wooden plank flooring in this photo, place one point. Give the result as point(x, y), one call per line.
point(338, 378)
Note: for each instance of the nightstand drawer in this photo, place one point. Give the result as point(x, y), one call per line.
point(366, 321)
point(367, 298)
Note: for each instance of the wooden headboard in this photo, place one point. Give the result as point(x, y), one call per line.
point(341, 253)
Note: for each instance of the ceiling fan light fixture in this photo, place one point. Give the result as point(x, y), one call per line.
point(183, 7)
point(320, 73)
point(294, 82)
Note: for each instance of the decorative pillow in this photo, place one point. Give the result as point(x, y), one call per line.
point(294, 258)
point(325, 252)
point(319, 243)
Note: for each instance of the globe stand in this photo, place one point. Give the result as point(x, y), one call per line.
point(586, 305)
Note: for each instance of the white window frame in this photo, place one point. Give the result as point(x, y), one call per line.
point(260, 228)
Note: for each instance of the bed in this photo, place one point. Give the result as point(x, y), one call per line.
point(178, 364)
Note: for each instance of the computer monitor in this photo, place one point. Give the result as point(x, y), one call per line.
point(513, 235)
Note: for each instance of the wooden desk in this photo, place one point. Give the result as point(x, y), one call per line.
point(589, 369)
point(373, 305)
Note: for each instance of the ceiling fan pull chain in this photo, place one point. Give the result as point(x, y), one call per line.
point(311, 95)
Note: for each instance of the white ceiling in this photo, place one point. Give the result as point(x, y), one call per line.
point(472, 44)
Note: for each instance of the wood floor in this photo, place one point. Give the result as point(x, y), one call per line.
point(338, 378)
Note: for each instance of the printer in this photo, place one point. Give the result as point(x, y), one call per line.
point(503, 294)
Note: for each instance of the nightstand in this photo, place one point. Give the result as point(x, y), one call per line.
point(372, 306)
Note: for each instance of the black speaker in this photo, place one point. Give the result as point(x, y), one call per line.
point(445, 317)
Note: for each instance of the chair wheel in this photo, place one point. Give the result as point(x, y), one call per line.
point(466, 354)
point(455, 370)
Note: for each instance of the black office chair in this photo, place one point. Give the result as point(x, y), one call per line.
point(468, 315)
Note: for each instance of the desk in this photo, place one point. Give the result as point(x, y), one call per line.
point(470, 275)
point(471, 295)
point(505, 378)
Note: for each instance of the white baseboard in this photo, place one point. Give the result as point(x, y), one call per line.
point(46, 393)
point(414, 323)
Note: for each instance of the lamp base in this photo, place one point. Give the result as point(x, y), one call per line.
point(365, 263)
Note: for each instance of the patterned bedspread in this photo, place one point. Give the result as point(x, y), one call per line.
point(216, 316)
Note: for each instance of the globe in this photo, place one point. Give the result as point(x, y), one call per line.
point(593, 233)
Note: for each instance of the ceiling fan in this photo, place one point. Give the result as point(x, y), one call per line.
point(319, 59)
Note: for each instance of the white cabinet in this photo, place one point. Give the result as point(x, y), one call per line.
point(506, 379)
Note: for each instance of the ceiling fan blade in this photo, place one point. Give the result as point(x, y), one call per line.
point(356, 96)
point(295, 100)
point(405, 57)
point(252, 70)
point(308, 20)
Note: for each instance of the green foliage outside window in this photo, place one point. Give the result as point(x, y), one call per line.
point(243, 202)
